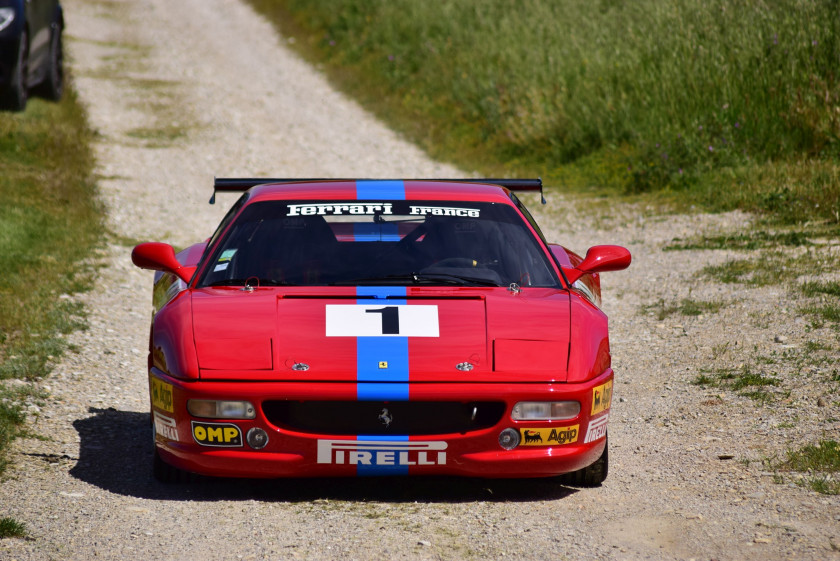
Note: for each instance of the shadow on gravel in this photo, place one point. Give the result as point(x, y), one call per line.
point(115, 455)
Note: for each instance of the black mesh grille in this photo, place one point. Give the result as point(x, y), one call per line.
point(383, 417)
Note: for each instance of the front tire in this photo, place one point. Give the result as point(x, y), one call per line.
point(592, 475)
point(52, 87)
point(14, 99)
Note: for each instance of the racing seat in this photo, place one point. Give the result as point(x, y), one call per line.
point(292, 250)
point(465, 246)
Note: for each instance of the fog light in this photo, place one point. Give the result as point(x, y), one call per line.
point(257, 438)
point(545, 410)
point(212, 409)
point(509, 439)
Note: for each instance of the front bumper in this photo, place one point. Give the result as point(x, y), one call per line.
point(219, 447)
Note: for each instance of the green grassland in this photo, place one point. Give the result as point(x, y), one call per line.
point(725, 104)
point(50, 221)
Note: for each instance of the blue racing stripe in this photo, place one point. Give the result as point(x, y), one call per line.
point(375, 383)
point(369, 232)
point(385, 190)
point(381, 384)
point(373, 469)
point(381, 292)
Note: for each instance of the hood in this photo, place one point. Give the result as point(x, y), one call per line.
point(382, 334)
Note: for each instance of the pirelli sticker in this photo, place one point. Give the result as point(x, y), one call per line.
point(161, 394)
point(382, 452)
point(597, 429)
point(601, 397)
point(166, 426)
point(549, 437)
point(224, 435)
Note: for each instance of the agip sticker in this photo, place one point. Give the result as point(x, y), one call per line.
point(161, 394)
point(601, 397)
point(550, 437)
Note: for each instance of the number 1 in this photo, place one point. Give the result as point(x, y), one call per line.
point(390, 319)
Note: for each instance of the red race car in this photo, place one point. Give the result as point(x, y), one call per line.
point(379, 327)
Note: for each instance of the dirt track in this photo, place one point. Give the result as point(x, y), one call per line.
point(184, 90)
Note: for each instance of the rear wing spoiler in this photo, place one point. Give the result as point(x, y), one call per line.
point(237, 184)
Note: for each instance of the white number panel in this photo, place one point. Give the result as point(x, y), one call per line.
point(382, 320)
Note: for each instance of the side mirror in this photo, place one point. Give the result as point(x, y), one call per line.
point(599, 259)
point(160, 257)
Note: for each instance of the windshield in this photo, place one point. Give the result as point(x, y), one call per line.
point(379, 242)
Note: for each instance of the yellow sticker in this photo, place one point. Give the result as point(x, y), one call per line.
point(383, 364)
point(601, 397)
point(217, 434)
point(549, 437)
point(161, 394)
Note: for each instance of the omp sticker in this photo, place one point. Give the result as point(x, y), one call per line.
point(382, 452)
point(217, 434)
point(161, 394)
point(549, 437)
point(333, 209)
point(367, 320)
point(601, 397)
point(220, 267)
point(597, 429)
point(165, 426)
point(445, 211)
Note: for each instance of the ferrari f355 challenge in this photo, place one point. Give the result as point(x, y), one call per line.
point(379, 327)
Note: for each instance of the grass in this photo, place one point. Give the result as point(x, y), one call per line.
point(744, 380)
point(771, 267)
point(817, 288)
point(11, 528)
point(712, 103)
point(686, 307)
point(743, 241)
point(825, 302)
point(820, 461)
point(50, 224)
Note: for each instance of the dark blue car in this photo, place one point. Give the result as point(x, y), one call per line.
point(31, 57)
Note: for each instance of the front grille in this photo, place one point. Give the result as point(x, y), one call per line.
point(370, 417)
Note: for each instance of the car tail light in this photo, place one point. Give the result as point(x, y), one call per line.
point(213, 409)
point(545, 410)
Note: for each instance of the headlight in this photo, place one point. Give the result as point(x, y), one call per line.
point(545, 410)
point(7, 16)
point(212, 409)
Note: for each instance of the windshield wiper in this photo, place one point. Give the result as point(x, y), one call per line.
point(458, 279)
point(251, 281)
point(421, 278)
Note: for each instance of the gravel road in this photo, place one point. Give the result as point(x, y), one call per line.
point(180, 91)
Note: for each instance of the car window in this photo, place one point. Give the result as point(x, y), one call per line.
point(379, 242)
point(225, 222)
